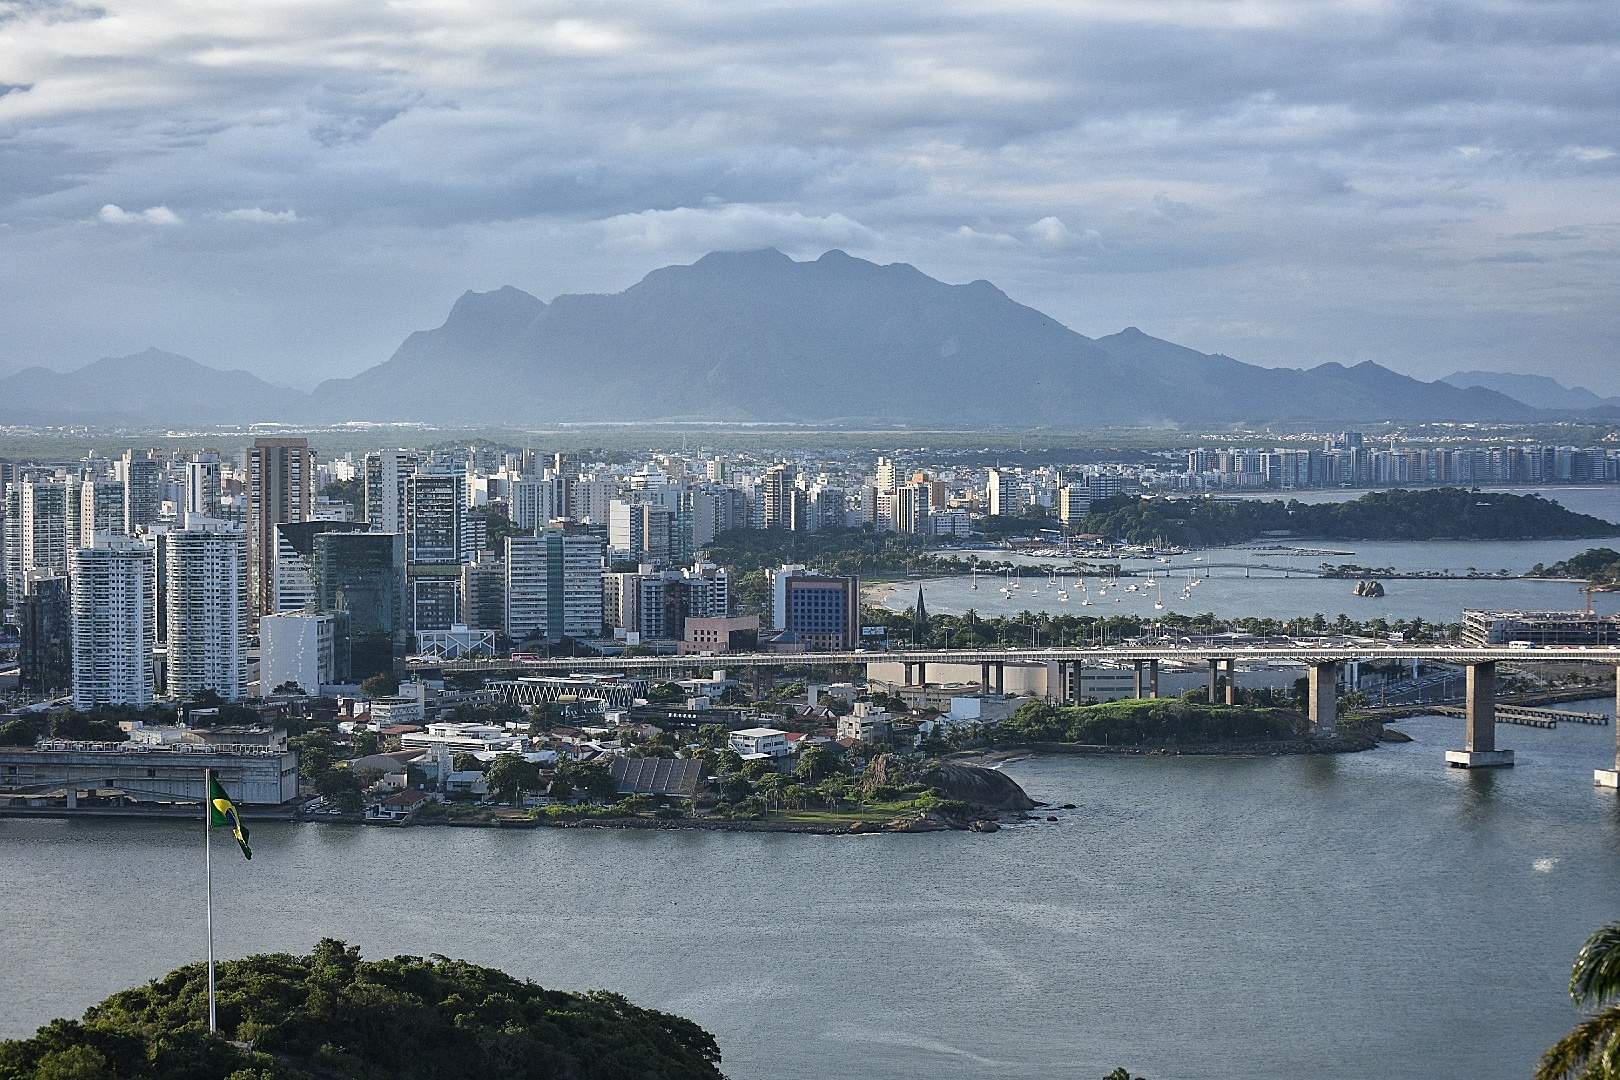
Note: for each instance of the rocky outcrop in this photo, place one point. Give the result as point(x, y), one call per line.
point(978, 787)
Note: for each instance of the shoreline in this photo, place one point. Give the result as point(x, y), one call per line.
point(1343, 743)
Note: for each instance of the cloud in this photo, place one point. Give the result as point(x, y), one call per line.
point(732, 227)
point(1588, 154)
point(113, 214)
point(259, 215)
point(1050, 232)
point(1353, 171)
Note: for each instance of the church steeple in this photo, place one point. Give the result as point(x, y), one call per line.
point(919, 620)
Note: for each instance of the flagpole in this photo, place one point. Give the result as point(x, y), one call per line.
point(208, 886)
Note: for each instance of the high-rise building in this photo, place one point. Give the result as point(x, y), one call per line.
point(143, 476)
point(912, 504)
point(1073, 503)
point(385, 474)
point(483, 593)
point(554, 584)
point(784, 499)
point(1005, 494)
point(112, 602)
point(436, 544)
point(280, 488)
point(822, 612)
point(293, 588)
point(46, 621)
point(203, 488)
point(362, 575)
point(206, 612)
point(45, 542)
point(530, 503)
point(101, 510)
point(644, 531)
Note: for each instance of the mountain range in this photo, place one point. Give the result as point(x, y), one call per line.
point(757, 336)
point(1538, 391)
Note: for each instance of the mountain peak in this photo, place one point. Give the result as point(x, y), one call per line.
point(765, 256)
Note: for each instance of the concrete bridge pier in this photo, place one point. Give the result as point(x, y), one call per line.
point(1322, 697)
point(1137, 681)
point(1153, 678)
point(1214, 681)
point(1479, 739)
point(1231, 682)
point(1610, 778)
point(1001, 679)
point(1064, 693)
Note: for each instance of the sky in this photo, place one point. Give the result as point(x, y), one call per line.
point(291, 186)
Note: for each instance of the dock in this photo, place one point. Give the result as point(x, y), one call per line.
point(1527, 716)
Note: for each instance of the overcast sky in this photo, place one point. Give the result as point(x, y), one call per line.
point(291, 187)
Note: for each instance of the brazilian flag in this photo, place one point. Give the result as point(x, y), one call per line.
point(222, 814)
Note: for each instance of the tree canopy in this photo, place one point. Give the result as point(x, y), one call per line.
point(331, 1015)
point(1421, 514)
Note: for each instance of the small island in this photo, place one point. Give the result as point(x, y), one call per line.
point(333, 1016)
point(1448, 513)
point(1598, 567)
point(1177, 725)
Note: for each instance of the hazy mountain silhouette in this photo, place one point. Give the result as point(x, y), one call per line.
point(757, 336)
point(1537, 390)
point(754, 335)
point(150, 387)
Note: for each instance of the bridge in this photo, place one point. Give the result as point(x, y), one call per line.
point(1322, 663)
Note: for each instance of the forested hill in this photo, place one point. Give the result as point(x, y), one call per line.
point(1422, 514)
point(332, 1016)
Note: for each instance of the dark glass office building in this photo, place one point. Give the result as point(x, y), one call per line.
point(362, 574)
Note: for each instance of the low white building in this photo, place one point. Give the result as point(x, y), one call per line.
point(399, 709)
point(755, 744)
point(866, 724)
point(472, 738)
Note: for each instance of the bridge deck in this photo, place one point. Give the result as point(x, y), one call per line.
point(1454, 654)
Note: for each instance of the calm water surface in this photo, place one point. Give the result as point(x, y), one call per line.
point(1365, 915)
point(1234, 584)
point(1370, 915)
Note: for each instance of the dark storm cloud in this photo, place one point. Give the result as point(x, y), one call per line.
point(292, 186)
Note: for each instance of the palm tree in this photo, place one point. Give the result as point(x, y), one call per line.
point(1592, 1050)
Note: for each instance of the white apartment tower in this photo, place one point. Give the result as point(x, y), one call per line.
point(385, 473)
point(554, 584)
point(113, 605)
point(204, 474)
point(1005, 494)
point(206, 605)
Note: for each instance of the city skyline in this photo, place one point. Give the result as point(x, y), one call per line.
point(271, 192)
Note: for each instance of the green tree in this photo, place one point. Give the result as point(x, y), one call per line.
point(594, 781)
point(341, 787)
point(332, 1015)
point(465, 762)
point(382, 684)
point(815, 763)
point(1592, 1050)
point(509, 775)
